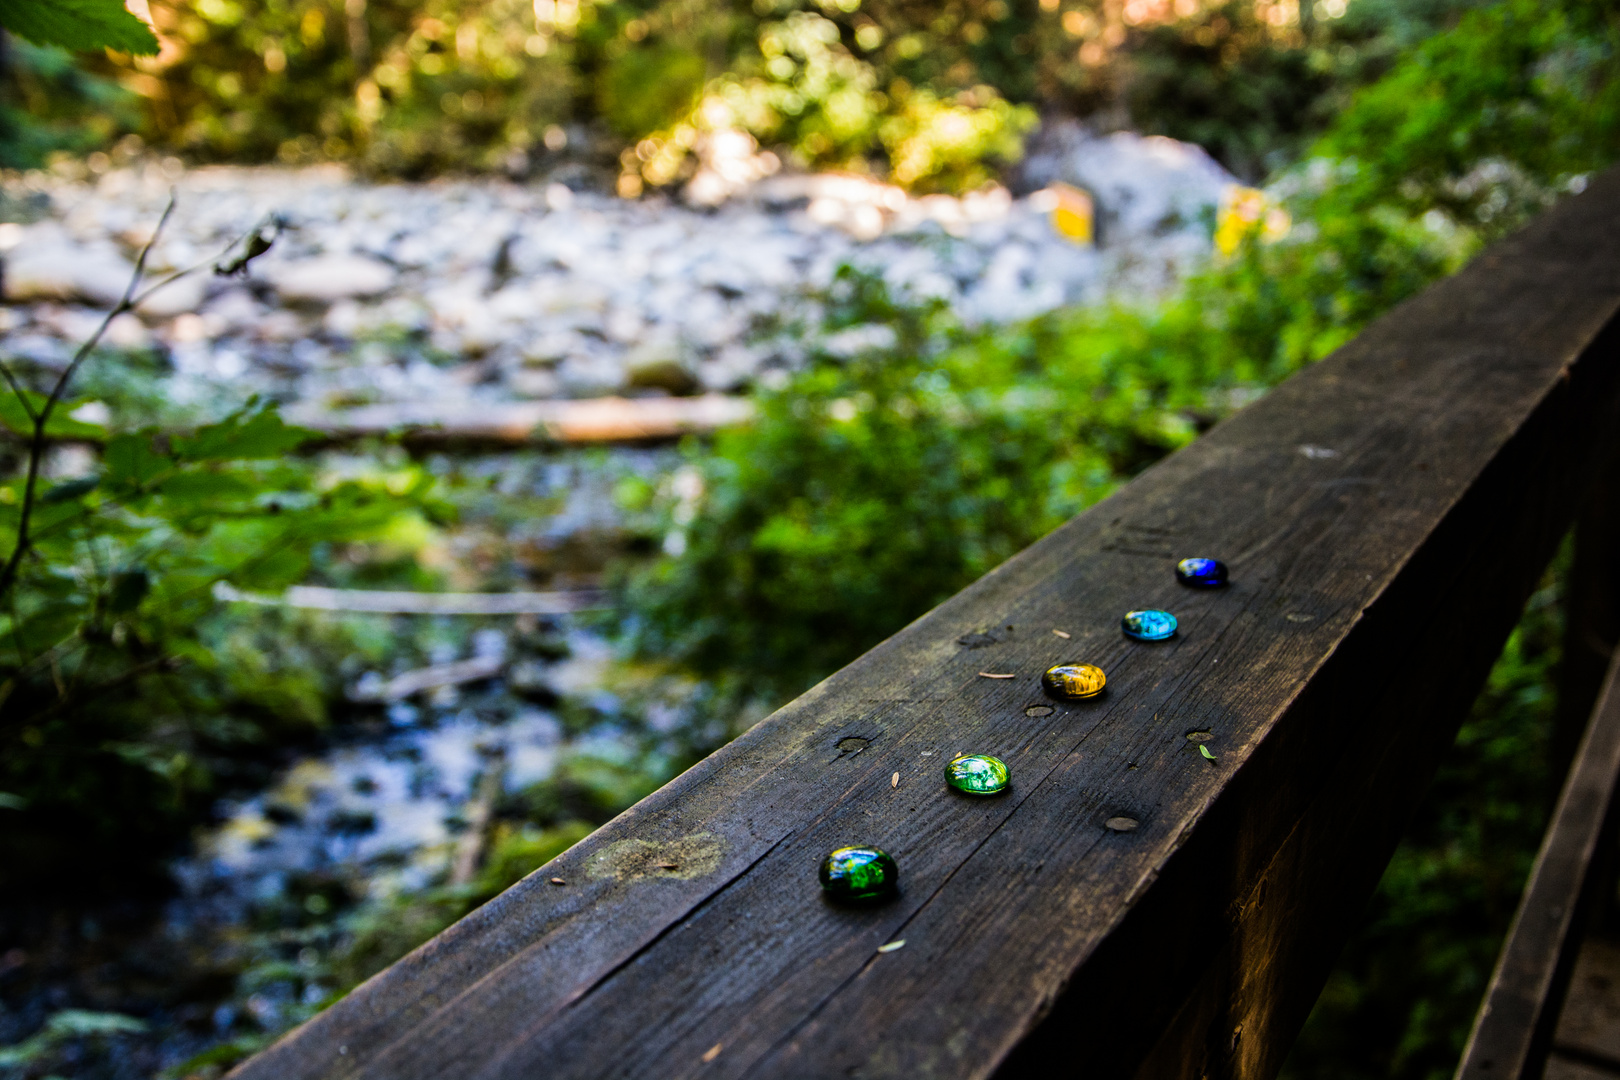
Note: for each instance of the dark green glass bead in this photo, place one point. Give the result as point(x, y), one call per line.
point(859, 874)
point(977, 774)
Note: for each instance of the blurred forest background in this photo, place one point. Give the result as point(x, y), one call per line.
point(1388, 142)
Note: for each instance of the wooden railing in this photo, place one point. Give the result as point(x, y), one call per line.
point(1385, 514)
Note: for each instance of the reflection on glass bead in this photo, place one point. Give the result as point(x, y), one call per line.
point(1073, 682)
point(1149, 625)
point(1201, 573)
point(859, 874)
point(977, 774)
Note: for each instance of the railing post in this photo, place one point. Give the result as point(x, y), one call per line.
point(1591, 607)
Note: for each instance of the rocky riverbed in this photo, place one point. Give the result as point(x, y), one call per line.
point(482, 290)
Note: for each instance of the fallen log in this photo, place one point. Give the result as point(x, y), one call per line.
point(410, 683)
point(392, 602)
point(588, 420)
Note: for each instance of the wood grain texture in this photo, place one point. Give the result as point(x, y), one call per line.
point(1514, 1028)
point(1371, 590)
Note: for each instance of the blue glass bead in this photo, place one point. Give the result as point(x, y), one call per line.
point(1201, 573)
point(1149, 625)
point(859, 874)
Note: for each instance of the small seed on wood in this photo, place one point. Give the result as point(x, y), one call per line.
point(894, 781)
point(1062, 635)
point(711, 1053)
point(995, 675)
point(1038, 710)
point(558, 881)
point(1121, 824)
point(893, 945)
point(669, 866)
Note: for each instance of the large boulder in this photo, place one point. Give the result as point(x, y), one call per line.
point(1143, 185)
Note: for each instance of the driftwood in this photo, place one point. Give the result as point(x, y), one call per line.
point(410, 683)
point(391, 602)
point(588, 420)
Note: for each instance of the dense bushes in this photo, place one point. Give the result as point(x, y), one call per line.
point(125, 700)
point(933, 95)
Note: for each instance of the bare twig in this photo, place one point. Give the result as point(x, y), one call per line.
point(36, 448)
point(255, 242)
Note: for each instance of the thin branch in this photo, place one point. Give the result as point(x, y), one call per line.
point(168, 663)
point(22, 397)
point(36, 449)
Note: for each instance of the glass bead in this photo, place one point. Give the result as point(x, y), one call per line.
point(1201, 573)
point(977, 774)
point(1148, 625)
point(859, 874)
point(1074, 682)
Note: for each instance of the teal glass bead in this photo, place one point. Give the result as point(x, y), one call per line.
point(1148, 625)
point(859, 874)
point(977, 774)
point(1201, 573)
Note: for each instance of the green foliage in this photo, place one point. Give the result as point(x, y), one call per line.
point(121, 686)
point(937, 98)
point(79, 25)
point(48, 105)
point(62, 1029)
point(871, 489)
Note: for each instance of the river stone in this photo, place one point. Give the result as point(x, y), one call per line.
point(326, 279)
point(57, 269)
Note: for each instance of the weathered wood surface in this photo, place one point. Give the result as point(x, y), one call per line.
point(1514, 1028)
point(1374, 579)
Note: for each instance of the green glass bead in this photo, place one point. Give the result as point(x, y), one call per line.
point(1074, 682)
point(859, 874)
point(977, 774)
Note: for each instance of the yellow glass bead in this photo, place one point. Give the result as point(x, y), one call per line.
point(1074, 682)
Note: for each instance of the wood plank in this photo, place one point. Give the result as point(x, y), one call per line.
point(1514, 1028)
point(1371, 590)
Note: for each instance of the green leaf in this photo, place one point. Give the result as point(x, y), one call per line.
point(62, 426)
point(129, 588)
point(243, 436)
point(68, 490)
point(1202, 749)
point(79, 25)
point(132, 461)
